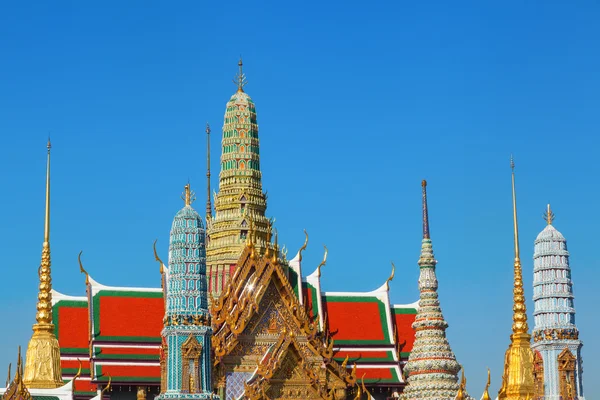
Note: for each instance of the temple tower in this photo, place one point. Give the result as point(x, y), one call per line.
point(42, 363)
point(432, 367)
point(187, 327)
point(555, 336)
point(518, 376)
point(240, 201)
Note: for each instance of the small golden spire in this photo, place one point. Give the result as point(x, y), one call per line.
point(519, 310)
point(425, 213)
point(549, 215)
point(208, 204)
point(486, 393)
point(240, 78)
point(188, 195)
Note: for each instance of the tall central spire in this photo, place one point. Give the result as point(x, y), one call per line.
point(517, 380)
point(432, 367)
point(240, 197)
point(42, 367)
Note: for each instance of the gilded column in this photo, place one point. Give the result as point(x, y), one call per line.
point(517, 380)
point(42, 363)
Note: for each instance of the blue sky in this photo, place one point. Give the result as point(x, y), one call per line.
point(357, 103)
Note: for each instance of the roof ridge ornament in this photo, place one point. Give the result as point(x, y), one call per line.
point(240, 78)
point(549, 215)
point(322, 262)
point(387, 282)
point(82, 270)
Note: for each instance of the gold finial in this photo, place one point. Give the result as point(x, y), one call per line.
point(82, 270)
point(106, 388)
point(322, 262)
point(549, 215)
point(188, 195)
point(208, 204)
point(303, 246)
point(387, 282)
point(157, 258)
point(78, 374)
point(44, 304)
point(486, 393)
point(276, 247)
point(240, 78)
point(425, 213)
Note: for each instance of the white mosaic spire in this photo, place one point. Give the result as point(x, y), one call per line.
point(432, 368)
point(554, 312)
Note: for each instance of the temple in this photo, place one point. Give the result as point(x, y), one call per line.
point(234, 318)
point(557, 348)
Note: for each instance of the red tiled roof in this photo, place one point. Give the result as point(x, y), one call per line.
point(356, 320)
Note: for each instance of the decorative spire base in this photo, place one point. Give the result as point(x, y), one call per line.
point(517, 381)
point(42, 363)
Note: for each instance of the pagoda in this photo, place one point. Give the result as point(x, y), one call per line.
point(556, 344)
point(432, 368)
point(186, 365)
point(42, 377)
point(240, 197)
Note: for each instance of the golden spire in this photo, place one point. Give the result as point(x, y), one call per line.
point(208, 205)
point(549, 215)
point(42, 368)
point(517, 379)
point(240, 78)
point(188, 195)
point(486, 393)
point(520, 314)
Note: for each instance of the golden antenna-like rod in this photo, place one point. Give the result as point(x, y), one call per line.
point(514, 199)
point(47, 219)
point(208, 204)
point(44, 304)
point(425, 213)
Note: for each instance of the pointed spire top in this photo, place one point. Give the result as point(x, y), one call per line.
point(549, 215)
point(425, 213)
point(240, 78)
point(47, 218)
point(208, 203)
point(486, 392)
point(188, 195)
point(514, 198)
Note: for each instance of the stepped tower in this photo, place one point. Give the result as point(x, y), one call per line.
point(42, 363)
point(555, 336)
point(518, 378)
point(187, 328)
point(240, 201)
point(432, 367)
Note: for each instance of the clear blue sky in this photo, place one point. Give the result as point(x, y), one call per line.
point(357, 102)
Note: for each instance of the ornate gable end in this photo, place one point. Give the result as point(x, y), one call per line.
point(255, 320)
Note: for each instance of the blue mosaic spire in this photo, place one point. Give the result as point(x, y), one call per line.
point(187, 330)
point(555, 335)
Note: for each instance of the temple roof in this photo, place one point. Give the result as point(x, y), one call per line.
point(550, 233)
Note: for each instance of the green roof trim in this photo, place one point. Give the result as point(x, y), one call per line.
point(152, 357)
point(73, 371)
point(408, 310)
point(75, 350)
point(136, 339)
point(351, 360)
point(45, 398)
